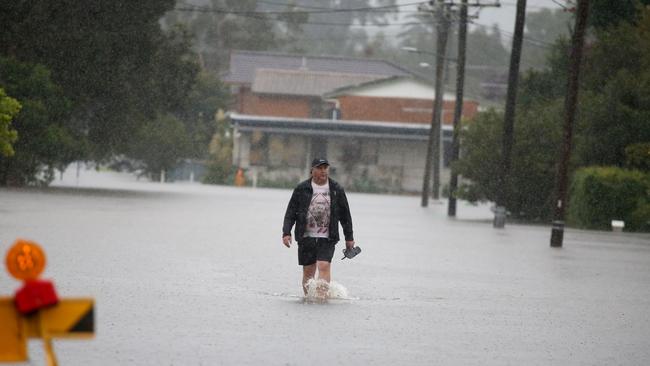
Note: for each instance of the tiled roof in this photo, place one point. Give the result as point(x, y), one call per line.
point(244, 63)
point(305, 82)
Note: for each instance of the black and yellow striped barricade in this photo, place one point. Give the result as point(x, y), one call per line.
point(36, 311)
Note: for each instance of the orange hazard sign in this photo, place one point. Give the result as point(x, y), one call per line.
point(25, 260)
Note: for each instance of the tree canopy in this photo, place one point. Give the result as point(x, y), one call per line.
point(46, 139)
point(104, 71)
point(9, 107)
point(612, 120)
point(110, 58)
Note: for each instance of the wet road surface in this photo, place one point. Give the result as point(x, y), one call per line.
point(197, 275)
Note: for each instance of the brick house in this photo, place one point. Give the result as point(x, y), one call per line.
point(371, 118)
point(396, 99)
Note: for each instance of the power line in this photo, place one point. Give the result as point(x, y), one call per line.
point(260, 16)
point(195, 9)
point(327, 8)
point(207, 9)
point(364, 25)
point(296, 5)
point(505, 3)
point(533, 41)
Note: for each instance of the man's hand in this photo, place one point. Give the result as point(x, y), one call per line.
point(349, 244)
point(286, 240)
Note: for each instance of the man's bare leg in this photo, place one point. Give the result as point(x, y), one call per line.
point(308, 272)
point(324, 278)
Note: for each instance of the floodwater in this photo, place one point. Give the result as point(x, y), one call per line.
point(185, 274)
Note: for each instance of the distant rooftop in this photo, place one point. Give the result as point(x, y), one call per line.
point(244, 63)
point(304, 82)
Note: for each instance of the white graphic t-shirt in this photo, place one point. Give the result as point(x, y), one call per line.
point(318, 215)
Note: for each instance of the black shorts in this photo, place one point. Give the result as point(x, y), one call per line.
point(311, 250)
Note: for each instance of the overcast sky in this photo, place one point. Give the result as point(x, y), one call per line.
point(504, 15)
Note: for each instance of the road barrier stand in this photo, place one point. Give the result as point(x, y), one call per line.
point(36, 310)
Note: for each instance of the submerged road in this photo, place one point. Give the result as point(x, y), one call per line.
point(197, 275)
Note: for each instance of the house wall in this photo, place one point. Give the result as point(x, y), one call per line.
point(397, 165)
point(274, 105)
point(398, 88)
point(365, 108)
point(353, 107)
point(393, 165)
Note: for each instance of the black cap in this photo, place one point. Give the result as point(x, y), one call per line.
point(319, 161)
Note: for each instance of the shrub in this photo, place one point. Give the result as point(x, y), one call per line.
point(219, 174)
point(640, 218)
point(601, 194)
point(638, 156)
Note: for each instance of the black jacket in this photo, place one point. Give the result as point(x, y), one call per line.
point(299, 205)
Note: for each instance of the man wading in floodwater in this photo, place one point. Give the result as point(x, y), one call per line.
point(316, 207)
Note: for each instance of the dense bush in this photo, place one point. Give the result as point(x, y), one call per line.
point(640, 218)
point(638, 156)
point(601, 194)
point(220, 174)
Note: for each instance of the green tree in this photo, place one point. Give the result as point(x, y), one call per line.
point(615, 106)
point(484, 48)
point(543, 28)
point(223, 25)
point(530, 186)
point(291, 26)
point(220, 165)
point(486, 55)
point(330, 32)
point(613, 111)
point(547, 84)
point(160, 144)
point(207, 96)
point(606, 13)
point(46, 138)
point(111, 59)
point(9, 108)
point(638, 156)
point(311, 26)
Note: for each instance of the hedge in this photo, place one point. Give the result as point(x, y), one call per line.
point(599, 195)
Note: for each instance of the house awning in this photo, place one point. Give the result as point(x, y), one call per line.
point(326, 127)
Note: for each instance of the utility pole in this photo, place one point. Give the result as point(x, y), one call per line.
point(443, 22)
point(458, 111)
point(460, 86)
point(509, 118)
point(441, 50)
point(557, 232)
point(433, 148)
